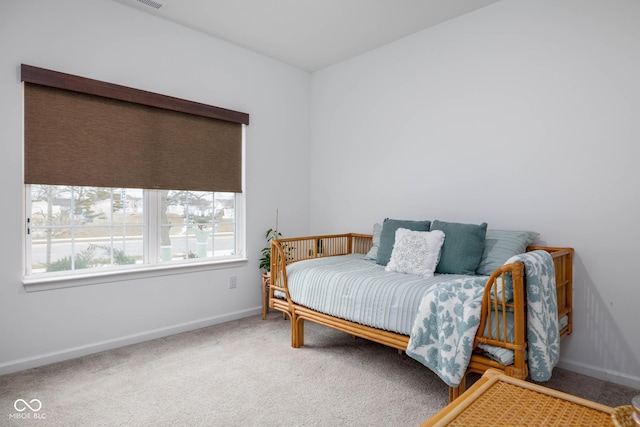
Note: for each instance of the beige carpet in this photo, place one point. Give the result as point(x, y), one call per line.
point(244, 373)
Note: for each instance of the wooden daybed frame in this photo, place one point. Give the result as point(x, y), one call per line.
point(289, 250)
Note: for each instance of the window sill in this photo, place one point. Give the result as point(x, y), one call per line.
point(36, 284)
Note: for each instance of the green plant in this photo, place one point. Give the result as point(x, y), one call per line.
point(120, 257)
point(89, 258)
point(265, 261)
point(66, 263)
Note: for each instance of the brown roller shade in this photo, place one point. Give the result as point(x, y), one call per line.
point(75, 138)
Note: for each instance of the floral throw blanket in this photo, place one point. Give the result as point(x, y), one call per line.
point(446, 324)
point(449, 315)
point(543, 333)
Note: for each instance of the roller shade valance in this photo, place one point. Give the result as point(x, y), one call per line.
point(76, 136)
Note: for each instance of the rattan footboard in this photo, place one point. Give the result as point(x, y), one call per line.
point(287, 251)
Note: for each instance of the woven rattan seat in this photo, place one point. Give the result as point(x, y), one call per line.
point(498, 400)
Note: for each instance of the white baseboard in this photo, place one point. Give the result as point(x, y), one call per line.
point(600, 373)
point(72, 353)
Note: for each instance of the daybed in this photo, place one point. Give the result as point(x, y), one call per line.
point(389, 319)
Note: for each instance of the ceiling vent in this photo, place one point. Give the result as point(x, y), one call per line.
point(152, 3)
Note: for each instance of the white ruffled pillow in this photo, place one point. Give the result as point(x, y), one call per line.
point(416, 252)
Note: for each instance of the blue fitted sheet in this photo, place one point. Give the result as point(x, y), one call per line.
point(357, 289)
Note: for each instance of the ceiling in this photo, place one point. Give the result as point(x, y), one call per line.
point(308, 34)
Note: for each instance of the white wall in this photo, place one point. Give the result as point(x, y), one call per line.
point(523, 114)
point(109, 41)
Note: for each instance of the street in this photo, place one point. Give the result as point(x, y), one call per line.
point(223, 243)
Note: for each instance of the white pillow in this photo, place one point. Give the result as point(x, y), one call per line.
point(416, 252)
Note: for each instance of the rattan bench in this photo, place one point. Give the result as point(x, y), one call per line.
point(499, 400)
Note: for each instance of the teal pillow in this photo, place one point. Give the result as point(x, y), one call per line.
point(388, 236)
point(500, 245)
point(462, 248)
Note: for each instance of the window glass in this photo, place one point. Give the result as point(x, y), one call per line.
point(79, 229)
point(196, 224)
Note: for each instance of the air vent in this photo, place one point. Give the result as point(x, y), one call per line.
point(155, 4)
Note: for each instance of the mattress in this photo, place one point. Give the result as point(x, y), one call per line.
point(357, 289)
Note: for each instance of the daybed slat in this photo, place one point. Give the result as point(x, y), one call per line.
point(390, 339)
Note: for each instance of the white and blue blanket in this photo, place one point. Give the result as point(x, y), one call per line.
point(449, 314)
point(543, 333)
point(445, 327)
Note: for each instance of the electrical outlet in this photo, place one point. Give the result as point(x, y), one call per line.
point(232, 282)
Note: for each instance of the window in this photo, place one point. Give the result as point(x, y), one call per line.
point(119, 179)
point(74, 230)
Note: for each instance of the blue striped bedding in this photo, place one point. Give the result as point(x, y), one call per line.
point(354, 288)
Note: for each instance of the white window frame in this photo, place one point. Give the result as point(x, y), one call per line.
point(151, 268)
